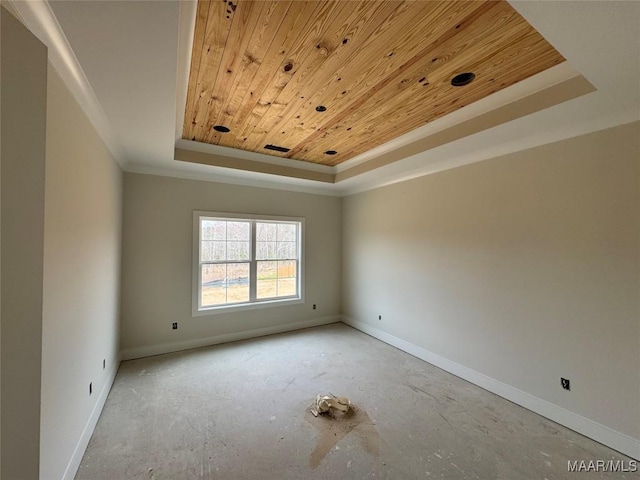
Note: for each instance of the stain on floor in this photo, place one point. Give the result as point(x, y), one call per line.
point(333, 426)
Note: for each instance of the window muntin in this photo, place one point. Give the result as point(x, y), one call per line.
point(225, 251)
point(277, 259)
point(246, 261)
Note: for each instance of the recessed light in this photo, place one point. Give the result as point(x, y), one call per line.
point(221, 129)
point(463, 79)
point(330, 152)
point(321, 108)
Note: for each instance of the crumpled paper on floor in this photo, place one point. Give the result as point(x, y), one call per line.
point(324, 404)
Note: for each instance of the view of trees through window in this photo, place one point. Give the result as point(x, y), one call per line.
point(228, 244)
point(226, 260)
point(276, 251)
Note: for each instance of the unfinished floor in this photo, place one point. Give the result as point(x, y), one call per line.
point(241, 411)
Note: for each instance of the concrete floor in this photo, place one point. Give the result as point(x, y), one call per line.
point(241, 411)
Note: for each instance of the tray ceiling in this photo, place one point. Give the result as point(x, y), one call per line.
point(327, 81)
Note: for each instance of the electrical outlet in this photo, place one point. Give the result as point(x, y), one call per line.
point(174, 325)
point(566, 383)
point(90, 388)
point(379, 317)
point(104, 363)
point(314, 306)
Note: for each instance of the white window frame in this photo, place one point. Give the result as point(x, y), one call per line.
point(198, 310)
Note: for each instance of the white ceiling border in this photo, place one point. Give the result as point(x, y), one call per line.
point(186, 29)
point(215, 174)
point(547, 78)
point(41, 21)
point(253, 156)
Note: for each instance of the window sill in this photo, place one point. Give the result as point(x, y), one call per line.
point(239, 307)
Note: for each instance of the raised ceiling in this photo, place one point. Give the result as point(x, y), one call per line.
point(379, 68)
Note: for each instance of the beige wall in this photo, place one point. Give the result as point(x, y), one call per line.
point(83, 213)
point(23, 118)
point(157, 259)
point(524, 268)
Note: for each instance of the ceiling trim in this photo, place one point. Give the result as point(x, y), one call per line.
point(554, 95)
point(251, 165)
point(559, 84)
point(261, 72)
point(547, 78)
point(253, 156)
point(38, 17)
point(186, 27)
point(248, 179)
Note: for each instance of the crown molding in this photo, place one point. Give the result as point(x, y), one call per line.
point(38, 17)
point(574, 87)
point(251, 165)
point(186, 27)
point(214, 174)
point(541, 81)
point(220, 150)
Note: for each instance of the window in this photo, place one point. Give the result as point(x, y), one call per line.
point(245, 261)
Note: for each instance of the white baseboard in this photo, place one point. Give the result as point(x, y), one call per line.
point(140, 352)
point(596, 431)
point(81, 446)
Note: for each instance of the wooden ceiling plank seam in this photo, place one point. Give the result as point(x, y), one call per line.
point(413, 91)
point(305, 71)
point(546, 97)
point(409, 18)
point(295, 52)
point(393, 75)
point(241, 121)
point(303, 54)
point(237, 76)
point(258, 105)
point(390, 82)
point(279, 45)
point(484, 68)
point(242, 14)
point(259, 43)
point(298, 106)
point(375, 61)
point(215, 42)
point(221, 27)
point(479, 91)
point(200, 28)
point(245, 17)
point(362, 83)
point(331, 86)
point(465, 54)
point(310, 79)
point(381, 136)
point(453, 92)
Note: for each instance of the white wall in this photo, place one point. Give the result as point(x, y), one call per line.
point(157, 262)
point(524, 268)
point(82, 236)
point(23, 118)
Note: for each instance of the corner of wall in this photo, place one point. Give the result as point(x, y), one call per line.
point(594, 430)
point(87, 432)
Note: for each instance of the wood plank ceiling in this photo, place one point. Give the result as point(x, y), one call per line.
point(318, 77)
